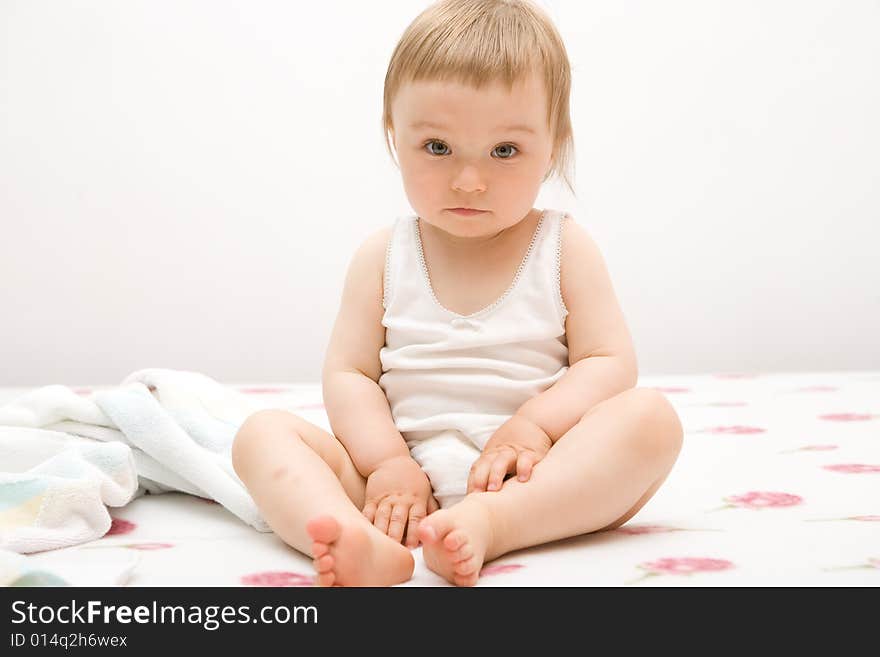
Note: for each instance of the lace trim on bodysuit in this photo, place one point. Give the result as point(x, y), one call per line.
point(386, 283)
point(559, 266)
point(499, 300)
point(386, 287)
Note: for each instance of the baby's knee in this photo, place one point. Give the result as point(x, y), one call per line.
point(255, 430)
point(660, 419)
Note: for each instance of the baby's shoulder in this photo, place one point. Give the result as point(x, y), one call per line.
point(368, 260)
point(567, 221)
point(575, 238)
point(372, 248)
point(375, 247)
point(581, 260)
point(382, 235)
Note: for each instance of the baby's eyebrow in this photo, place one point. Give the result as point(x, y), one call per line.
point(437, 126)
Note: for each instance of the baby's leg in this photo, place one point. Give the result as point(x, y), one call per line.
point(595, 477)
point(310, 493)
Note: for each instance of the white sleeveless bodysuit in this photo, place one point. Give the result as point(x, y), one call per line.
point(451, 380)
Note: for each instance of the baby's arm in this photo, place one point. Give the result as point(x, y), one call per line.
point(356, 406)
point(361, 419)
point(398, 493)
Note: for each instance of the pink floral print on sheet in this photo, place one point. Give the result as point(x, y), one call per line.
point(810, 448)
point(131, 546)
point(847, 417)
point(760, 500)
point(682, 566)
point(857, 518)
point(736, 429)
point(852, 468)
point(277, 578)
point(645, 529)
point(500, 569)
point(658, 529)
point(119, 526)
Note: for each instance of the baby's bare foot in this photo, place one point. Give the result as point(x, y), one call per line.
point(455, 540)
point(356, 555)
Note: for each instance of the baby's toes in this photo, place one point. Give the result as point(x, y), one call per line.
point(465, 567)
point(325, 579)
point(324, 564)
point(466, 580)
point(466, 551)
point(319, 549)
point(454, 540)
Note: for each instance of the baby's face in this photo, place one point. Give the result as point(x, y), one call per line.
point(486, 149)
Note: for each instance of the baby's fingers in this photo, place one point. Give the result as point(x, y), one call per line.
point(503, 463)
point(433, 505)
point(479, 474)
point(383, 517)
point(370, 511)
point(524, 465)
point(416, 514)
point(399, 514)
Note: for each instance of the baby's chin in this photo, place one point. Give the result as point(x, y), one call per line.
point(473, 230)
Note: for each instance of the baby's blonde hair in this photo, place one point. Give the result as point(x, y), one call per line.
point(477, 42)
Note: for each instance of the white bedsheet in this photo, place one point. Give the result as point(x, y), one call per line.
point(777, 484)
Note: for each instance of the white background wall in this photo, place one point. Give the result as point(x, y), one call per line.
point(182, 183)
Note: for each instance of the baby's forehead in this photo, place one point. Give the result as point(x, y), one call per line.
point(522, 102)
point(525, 84)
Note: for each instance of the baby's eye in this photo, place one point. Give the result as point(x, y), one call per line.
point(431, 150)
point(505, 151)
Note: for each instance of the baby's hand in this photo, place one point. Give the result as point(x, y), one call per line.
point(514, 448)
point(398, 496)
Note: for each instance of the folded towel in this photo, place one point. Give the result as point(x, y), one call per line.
point(55, 488)
point(65, 457)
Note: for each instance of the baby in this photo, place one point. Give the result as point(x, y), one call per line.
point(480, 379)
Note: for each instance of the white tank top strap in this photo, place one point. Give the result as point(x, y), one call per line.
point(545, 265)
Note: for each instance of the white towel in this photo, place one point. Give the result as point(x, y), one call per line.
point(55, 488)
point(65, 457)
